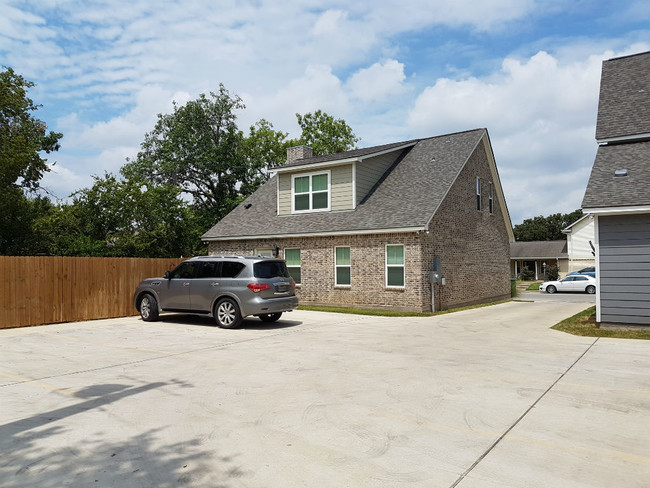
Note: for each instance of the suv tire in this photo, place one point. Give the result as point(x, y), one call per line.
point(227, 314)
point(148, 308)
point(270, 317)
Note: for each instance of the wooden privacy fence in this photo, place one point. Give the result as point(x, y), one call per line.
point(46, 290)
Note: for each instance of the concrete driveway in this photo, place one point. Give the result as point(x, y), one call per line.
point(483, 398)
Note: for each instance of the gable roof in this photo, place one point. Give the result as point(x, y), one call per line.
point(604, 190)
point(406, 199)
point(539, 250)
point(624, 99)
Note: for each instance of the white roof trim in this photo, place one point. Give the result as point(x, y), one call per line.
point(569, 228)
point(618, 210)
point(317, 234)
point(634, 137)
point(336, 162)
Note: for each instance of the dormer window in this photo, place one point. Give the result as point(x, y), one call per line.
point(310, 192)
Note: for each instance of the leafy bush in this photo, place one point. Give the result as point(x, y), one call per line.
point(527, 275)
point(552, 273)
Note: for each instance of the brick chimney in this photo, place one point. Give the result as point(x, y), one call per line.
point(298, 152)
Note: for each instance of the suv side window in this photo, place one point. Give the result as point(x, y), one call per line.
point(230, 269)
point(185, 271)
point(210, 269)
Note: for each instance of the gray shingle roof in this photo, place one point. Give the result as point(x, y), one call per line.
point(605, 190)
point(538, 250)
point(624, 100)
point(354, 153)
point(408, 196)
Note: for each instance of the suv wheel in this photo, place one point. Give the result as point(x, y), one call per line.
point(270, 317)
point(149, 308)
point(227, 314)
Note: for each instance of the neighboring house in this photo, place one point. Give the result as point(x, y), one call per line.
point(536, 256)
point(580, 240)
point(364, 227)
point(618, 192)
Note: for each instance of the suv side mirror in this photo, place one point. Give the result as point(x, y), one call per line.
point(168, 275)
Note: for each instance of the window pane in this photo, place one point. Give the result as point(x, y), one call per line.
point(302, 202)
point(231, 269)
point(343, 256)
point(396, 276)
point(302, 184)
point(292, 257)
point(343, 276)
point(295, 274)
point(319, 182)
point(320, 200)
point(210, 270)
point(395, 254)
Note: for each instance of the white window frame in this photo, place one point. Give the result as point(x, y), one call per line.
point(403, 266)
point(491, 198)
point(337, 266)
point(293, 266)
point(479, 203)
point(311, 193)
point(266, 252)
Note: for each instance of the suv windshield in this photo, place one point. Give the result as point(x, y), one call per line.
point(271, 269)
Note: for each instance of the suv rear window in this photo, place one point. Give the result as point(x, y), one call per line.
point(271, 269)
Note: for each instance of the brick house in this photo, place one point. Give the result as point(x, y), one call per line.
point(363, 227)
point(618, 192)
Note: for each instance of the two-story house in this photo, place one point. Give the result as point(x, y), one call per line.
point(368, 227)
point(618, 192)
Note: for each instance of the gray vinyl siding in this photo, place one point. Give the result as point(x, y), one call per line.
point(624, 267)
point(340, 185)
point(369, 171)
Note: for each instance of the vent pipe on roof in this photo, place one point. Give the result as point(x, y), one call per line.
point(620, 173)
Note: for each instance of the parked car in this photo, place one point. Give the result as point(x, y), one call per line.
point(227, 288)
point(589, 271)
point(576, 283)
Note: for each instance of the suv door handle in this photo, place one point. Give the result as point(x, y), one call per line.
point(214, 283)
point(187, 283)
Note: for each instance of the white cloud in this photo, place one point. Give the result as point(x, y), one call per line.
point(378, 81)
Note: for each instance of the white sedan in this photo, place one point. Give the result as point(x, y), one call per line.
point(578, 283)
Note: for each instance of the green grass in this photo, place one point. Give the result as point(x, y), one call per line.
point(584, 324)
point(534, 286)
point(390, 313)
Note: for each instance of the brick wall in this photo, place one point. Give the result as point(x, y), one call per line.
point(367, 256)
point(472, 244)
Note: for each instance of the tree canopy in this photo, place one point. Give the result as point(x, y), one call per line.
point(23, 140)
point(545, 228)
point(193, 167)
point(22, 136)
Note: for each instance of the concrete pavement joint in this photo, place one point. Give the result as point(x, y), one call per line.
point(502, 436)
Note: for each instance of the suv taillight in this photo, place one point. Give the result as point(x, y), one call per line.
point(258, 287)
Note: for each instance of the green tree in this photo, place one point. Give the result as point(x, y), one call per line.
point(117, 217)
point(545, 228)
point(23, 139)
point(324, 134)
point(22, 136)
point(199, 149)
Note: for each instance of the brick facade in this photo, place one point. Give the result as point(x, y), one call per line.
point(473, 246)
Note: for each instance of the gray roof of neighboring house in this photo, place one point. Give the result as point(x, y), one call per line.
point(407, 197)
point(624, 100)
point(538, 250)
point(606, 190)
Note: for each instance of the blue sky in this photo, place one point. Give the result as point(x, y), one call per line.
point(528, 70)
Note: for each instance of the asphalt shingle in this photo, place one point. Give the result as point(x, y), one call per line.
point(407, 197)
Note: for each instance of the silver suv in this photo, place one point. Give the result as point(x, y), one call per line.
point(227, 287)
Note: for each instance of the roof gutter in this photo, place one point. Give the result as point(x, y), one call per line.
point(400, 230)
